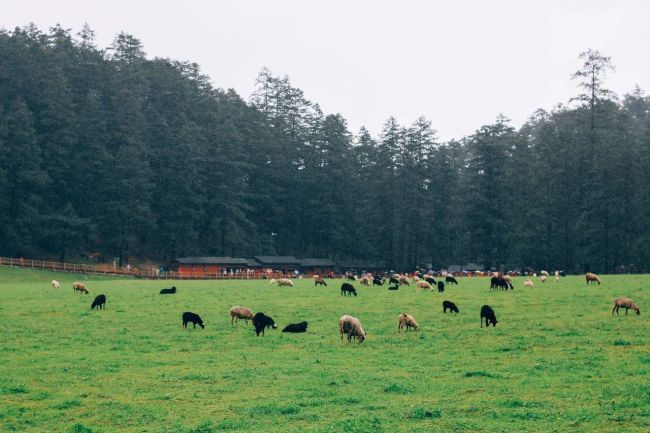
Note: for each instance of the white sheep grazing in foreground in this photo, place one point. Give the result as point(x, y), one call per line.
point(272, 281)
point(626, 303)
point(55, 284)
point(352, 327)
point(406, 320)
point(285, 282)
point(424, 285)
point(528, 283)
point(543, 278)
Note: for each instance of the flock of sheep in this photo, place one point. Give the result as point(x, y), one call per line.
point(351, 326)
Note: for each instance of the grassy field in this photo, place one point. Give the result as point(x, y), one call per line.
point(556, 362)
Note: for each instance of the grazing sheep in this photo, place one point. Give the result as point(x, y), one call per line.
point(394, 280)
point(320, 281)
point(55, 284)
point(169, 291)
point(365, 281)
point(424, 285)
point(430, 280)
point(487, 313)
point(557, 277)
point(352, 278)
point(450, 280)
point(296, 327)
point(416, 278)
point(405, 280)
point(377, 281)
point(261, 322)
point(528, 283)
point(99, 302)
point(592, 278)
point(406, 320)
point(500, 283)
point(272, 281)
point(237, 313)
point(285, 282)
point(79, 287)
point(352, 327)
point(544, 273)
point(193, 318)
point(449, 305)
point(543, 278)
point(441, 286)
point(348, 289)
point(626, 303)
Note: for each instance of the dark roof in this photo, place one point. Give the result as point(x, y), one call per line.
point(313, 263)
point(213, 261)
point(277, 260)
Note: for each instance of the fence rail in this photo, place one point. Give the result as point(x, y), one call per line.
point(108, 269)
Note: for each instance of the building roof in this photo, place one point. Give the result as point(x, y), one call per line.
point(314, 263)
point(469, 267)
point(357, 264)
point(277, 260)
point(231, 261)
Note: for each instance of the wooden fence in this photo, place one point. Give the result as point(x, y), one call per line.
point(148, 272)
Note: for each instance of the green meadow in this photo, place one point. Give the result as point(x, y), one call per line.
point(556, 362)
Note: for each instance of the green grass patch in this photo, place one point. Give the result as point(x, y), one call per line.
point(556, 361)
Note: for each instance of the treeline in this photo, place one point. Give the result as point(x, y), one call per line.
point(104, 150)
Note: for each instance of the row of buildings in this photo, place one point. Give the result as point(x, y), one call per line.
point(213, 266)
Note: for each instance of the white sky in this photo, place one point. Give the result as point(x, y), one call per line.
point(458, 63)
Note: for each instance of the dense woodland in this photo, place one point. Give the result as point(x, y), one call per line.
point(106, 151)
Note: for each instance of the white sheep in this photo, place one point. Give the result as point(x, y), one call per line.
point(352, 327)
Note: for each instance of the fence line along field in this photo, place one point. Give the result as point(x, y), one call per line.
point(557, 360)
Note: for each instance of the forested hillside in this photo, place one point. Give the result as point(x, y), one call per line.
point(108, 151)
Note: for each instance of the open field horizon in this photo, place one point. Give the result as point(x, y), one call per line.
point(556, 361)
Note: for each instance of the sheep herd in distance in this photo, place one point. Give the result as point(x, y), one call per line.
point(351, 326)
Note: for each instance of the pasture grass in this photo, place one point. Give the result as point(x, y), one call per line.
point(556, 362)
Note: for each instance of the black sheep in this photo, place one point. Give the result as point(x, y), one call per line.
point(441, 286)
point(348, 289)
point(393, 280)
point(449, 305)
point(261, 322)
point(99, 302)
point(487, 313)
point(296, 327)
point(192, 318)
point(451, 280)
point(377, 281)
point(168, 291)
point(430, 280)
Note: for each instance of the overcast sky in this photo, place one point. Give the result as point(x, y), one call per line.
point(458, 63)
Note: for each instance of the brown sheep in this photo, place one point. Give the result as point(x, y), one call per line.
point(80, 287)
point(406, 320)
point(424, 285)
point(365, 281)
point(285, 282)
point(592, 278)
point(626, 303)
point(237, 313)
point(528, 283)
point(352, 327)
point(320, 282)
point(405, 280)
